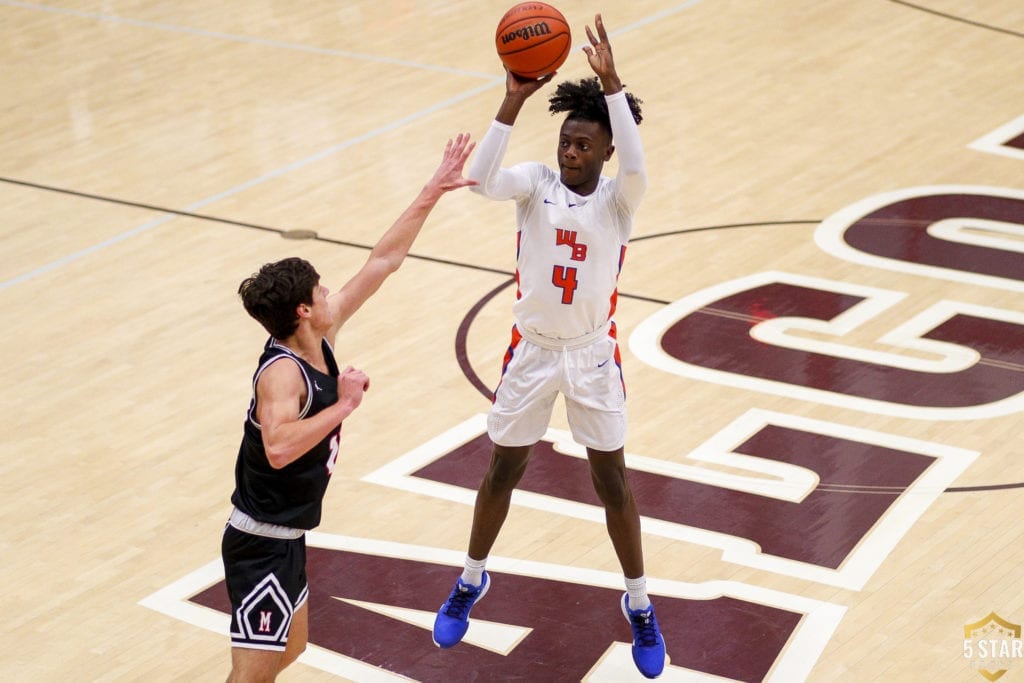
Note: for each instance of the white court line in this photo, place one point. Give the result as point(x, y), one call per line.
point(295, 165)
point(995, 141)
point(657, 16)
point(165, 218)
point(235, 38)
point(812, 633)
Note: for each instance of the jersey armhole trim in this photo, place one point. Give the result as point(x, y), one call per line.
point(256, 378)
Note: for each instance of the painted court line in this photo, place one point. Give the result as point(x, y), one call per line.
point(165, 218)
point(235, 38)
point(333, 149)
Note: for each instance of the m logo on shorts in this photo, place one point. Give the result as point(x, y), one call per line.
point(265, 622)
point(265, 614)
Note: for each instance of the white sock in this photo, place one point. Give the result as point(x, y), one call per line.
point(637, 589)
point(473, 571)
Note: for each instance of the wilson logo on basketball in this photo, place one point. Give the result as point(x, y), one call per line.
point(541, 28)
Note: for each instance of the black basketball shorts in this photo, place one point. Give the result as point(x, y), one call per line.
point(266, 581)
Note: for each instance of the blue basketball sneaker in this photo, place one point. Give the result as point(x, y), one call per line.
point(648, 645)
point(452, 619)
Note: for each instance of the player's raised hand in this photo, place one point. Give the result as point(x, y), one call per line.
point(524, 87)
point(599, 54)
point(448, 175)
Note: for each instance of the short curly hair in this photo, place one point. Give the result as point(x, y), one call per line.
point(584, 100)
point(272, 294)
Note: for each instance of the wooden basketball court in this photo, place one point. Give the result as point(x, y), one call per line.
point(821, 321)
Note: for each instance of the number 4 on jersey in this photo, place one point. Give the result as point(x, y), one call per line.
point(565, 278)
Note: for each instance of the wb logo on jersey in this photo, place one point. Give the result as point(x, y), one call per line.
point(568, 237)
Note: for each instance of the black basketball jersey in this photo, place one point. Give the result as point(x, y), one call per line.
point(293, 495)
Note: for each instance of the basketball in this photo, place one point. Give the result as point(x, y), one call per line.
point(533, 39)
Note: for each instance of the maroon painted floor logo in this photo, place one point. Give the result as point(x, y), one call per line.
point(372, 605)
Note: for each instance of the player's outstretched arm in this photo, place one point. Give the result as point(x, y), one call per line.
point(391, 250)
point(599, 54)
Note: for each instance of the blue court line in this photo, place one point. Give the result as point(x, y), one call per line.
point(251, 40)
point(165, 218)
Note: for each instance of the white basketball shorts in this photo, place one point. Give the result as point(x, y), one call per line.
point(590, 379)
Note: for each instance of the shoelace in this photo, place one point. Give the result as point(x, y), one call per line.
point(460, 601)
point(645, 629)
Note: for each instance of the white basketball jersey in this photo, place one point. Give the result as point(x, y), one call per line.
point(570, 247)
point(570, 251)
